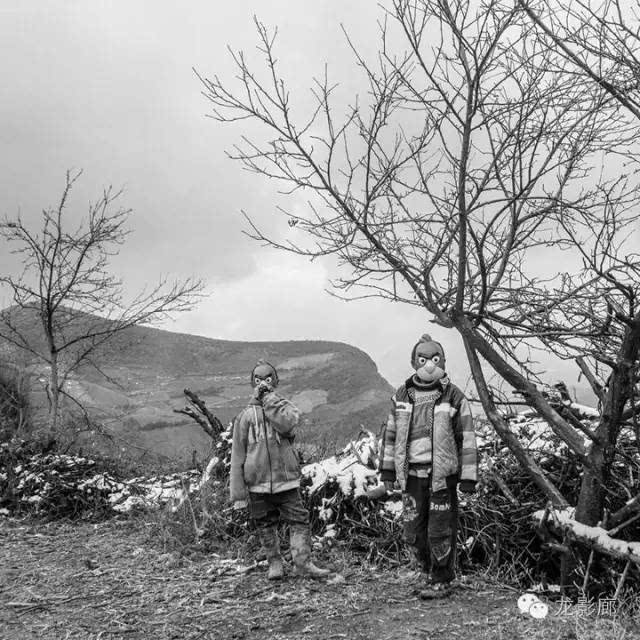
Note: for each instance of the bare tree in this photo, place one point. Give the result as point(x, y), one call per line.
point(600, 44)
point(468, 183)
point(65, 283)
point(599, 39)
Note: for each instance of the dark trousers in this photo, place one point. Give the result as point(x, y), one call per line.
point(267, 509)
point(431, 525)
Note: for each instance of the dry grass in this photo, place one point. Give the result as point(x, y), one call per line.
point(112, 580)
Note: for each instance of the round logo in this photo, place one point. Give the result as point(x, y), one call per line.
point(538, 610)
point(531, 604)
point(526, 600)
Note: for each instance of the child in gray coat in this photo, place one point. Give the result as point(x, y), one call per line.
point(265, 473)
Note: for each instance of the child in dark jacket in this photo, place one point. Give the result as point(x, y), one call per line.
point(265, 473)
point(429, 447)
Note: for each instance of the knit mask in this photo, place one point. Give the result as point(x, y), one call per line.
point(427, 358)
point(264, 372)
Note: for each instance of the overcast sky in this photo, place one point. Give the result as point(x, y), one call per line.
point(108, 87)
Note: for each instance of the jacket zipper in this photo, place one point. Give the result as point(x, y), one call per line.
point(433, 445)
point(406, 447)
point(433, 430)
point(266, 441)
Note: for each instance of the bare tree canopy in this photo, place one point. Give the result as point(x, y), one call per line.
point(599, 38)
point(482, 179)
point(80, 305)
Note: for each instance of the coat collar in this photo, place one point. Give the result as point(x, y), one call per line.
point(412, 383)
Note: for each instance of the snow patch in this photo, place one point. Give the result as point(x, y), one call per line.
point(354, 470)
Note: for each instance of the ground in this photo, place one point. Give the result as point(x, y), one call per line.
point(113, 580)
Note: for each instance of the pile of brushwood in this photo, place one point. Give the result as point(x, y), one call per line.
point(349, 507)
point(348, 504)
point(40, 478)
point(37, 481)
point(497, 532)
point(42, 482)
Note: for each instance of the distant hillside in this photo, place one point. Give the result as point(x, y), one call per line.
point(336, 386)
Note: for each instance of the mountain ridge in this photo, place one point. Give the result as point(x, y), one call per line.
point(144, 370)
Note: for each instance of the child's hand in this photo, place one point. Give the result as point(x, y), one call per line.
point(239, 505)
point(261, 389)
point(468, 486)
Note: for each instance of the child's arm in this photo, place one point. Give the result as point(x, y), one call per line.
point(238, 455)
point(281, 414)
point(387, 464)
point(467, 449)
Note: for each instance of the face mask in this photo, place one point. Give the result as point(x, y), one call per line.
point(264, 373)
point(429, 361)
point(268, 380)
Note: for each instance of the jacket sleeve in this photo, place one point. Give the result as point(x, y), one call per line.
point(237, 485)
point(281, 414)
point(387, 463)
point(466, 439)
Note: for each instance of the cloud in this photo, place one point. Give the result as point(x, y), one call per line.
point(285, 298)
point(109, 87)
point(278, 300)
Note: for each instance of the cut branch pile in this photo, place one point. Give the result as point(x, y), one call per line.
point(55, 485)
point(348, 504)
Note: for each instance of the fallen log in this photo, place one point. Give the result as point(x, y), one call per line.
point(595, 538)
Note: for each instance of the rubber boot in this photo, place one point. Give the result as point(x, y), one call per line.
point(271, 545)
point(440, 582)
point(301, 553)
point(416, 571)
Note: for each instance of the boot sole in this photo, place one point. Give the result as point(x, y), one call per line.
point(303, 574)
point(435, 594)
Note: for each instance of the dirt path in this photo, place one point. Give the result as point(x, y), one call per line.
point(107, 581)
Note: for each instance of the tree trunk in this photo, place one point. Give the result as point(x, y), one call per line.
point(513, 377)
point(591, 501)
point(54, 396)
point(590, 506)
point(502, 429)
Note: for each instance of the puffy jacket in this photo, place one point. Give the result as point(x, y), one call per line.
point(453, 442)
point(262, 456)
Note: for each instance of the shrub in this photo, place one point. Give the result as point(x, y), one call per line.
point(14, 403)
